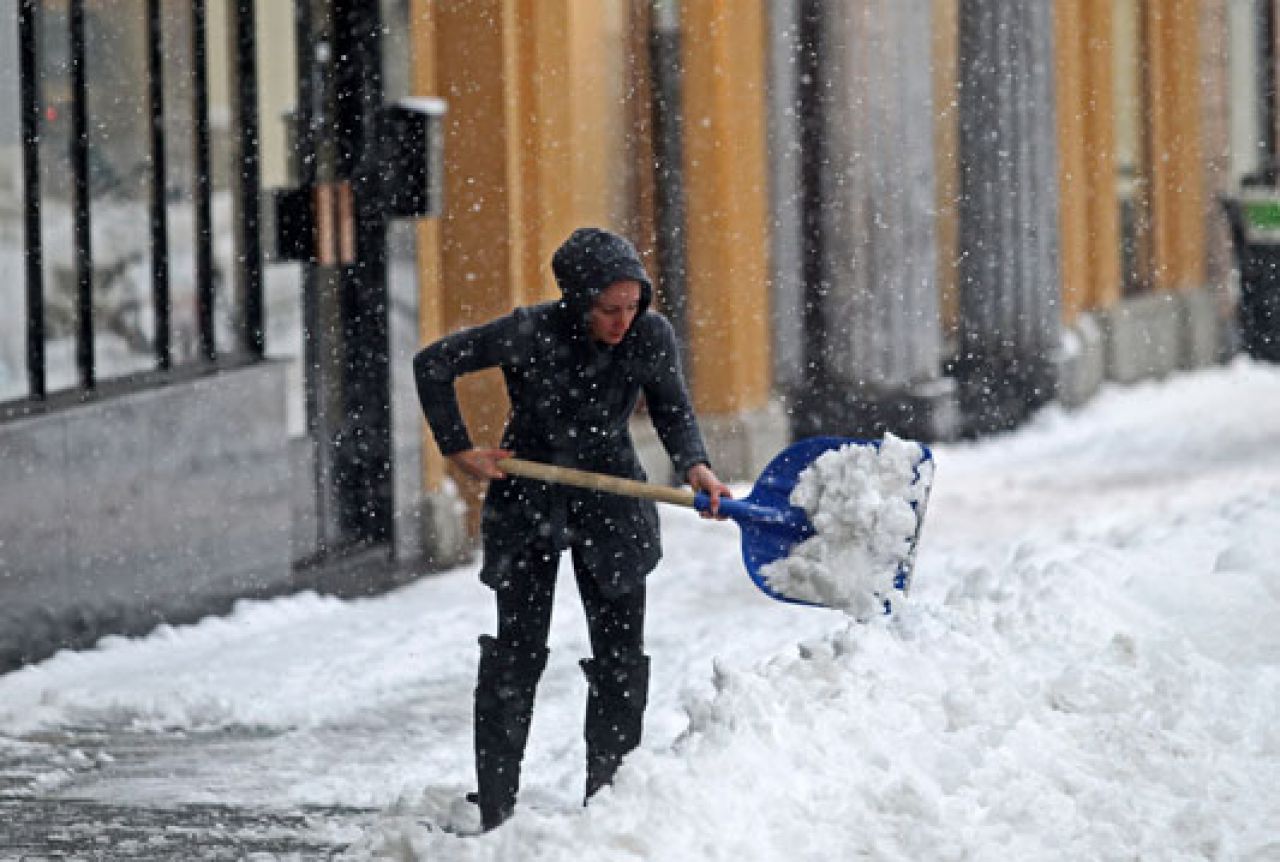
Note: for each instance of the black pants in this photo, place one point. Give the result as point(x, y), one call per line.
point(525, 599)
point(511, 664)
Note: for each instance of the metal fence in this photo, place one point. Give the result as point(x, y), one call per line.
point(59, 121)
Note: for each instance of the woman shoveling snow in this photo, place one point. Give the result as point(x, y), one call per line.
point(574, 370)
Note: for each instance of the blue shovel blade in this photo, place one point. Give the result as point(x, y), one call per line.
point(771, 527)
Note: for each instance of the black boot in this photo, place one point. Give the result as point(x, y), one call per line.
point(505, 687)
point(618, 693)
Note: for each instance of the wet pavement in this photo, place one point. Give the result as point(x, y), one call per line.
point(51, 807)
point(73, 829)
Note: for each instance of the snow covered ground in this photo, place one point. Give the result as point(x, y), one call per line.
point(1088, 668)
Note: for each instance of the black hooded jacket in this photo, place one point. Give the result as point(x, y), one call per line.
point(571, 400)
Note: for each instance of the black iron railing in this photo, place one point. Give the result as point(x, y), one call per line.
point(203, 186)
point(159, 211)
point(245, 183)
point(29, 107)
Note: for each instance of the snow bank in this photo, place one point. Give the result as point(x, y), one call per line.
point(268, 665)
point(1048, 707)
point(861, 500)
point(1089, 668)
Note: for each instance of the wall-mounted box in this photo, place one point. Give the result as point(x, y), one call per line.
point(412, 147)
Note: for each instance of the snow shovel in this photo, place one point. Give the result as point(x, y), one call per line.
point(771, 527)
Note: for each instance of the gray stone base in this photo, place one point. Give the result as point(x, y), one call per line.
point(1153, 335)
point(922, 411)
point(1082, 361)
point(304, 535)
point(1000, 389)
point(441, 520)
point(739, 446)
point(653, 458)
point(1205, 321)
point(1143, 336)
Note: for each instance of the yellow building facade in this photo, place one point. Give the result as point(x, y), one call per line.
point(1130, 127)
point(550, 126)
point(548, 129)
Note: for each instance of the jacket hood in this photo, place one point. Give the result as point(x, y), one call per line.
point(592, 259)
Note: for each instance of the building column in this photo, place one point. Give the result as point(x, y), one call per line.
point(1090, 213)
point(1010, 315)
point(535, 145)
point(1089, 208)
point(471, 258)
point(875, 331)
point(727, 200)
point(1175, 172)
point(442, 535)
point(946, 129)
point(571, 117)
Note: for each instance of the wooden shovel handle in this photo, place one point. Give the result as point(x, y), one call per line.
point(596, 481)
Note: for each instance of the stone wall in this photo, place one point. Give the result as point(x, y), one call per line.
point(160, 505)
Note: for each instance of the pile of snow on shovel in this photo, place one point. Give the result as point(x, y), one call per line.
point(861, 500)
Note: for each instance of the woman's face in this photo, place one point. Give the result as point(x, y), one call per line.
point(614, 309)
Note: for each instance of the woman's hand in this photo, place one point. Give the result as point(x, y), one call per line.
point(701, 478)
point(481, 463)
